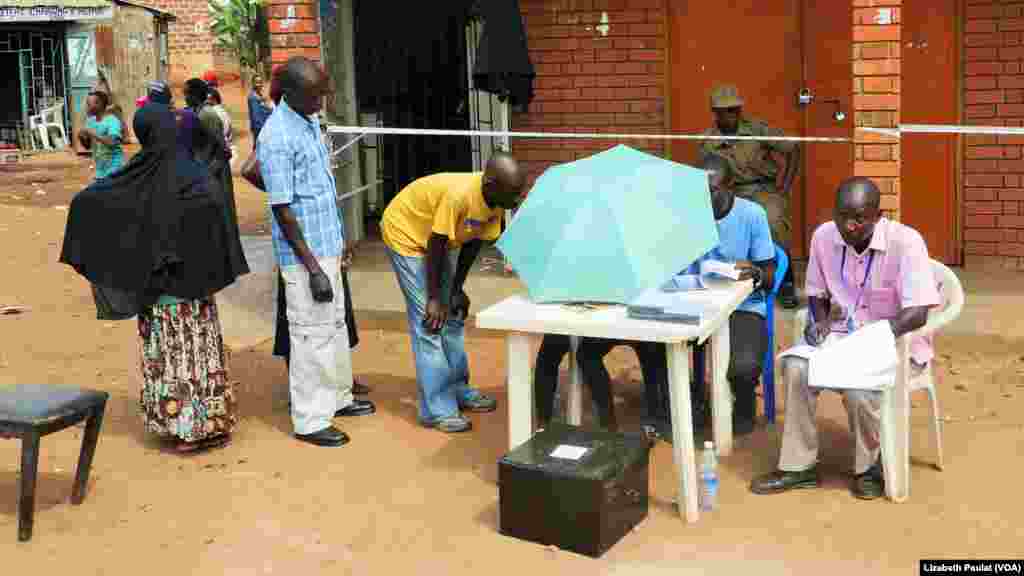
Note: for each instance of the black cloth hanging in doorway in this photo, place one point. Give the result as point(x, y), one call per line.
point(503, 64)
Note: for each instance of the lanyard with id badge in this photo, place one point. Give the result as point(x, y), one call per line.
point(851, 312)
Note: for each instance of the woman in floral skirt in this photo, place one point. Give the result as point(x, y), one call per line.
point(166, 247)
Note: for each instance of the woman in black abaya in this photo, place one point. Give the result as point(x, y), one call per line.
point(156, 232)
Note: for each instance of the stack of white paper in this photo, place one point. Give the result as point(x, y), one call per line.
point(864, 360)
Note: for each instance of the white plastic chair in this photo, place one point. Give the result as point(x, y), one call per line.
point(41, 124)
point(895, 425)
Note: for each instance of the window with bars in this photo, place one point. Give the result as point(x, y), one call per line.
point(37, 57)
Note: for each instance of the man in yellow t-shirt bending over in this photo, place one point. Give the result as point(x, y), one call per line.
point(434, 229)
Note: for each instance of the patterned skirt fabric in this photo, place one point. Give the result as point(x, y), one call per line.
point(185, 391)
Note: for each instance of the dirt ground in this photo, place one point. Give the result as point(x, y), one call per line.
point(402, 499)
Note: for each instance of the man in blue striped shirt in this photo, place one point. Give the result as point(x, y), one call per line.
point(309, 244)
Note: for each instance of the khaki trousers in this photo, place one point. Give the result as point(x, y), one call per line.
point(800, 431)
point(320, 367)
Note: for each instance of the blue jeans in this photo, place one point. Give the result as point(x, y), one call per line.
point(442, 368)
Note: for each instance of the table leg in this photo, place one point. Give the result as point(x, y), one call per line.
point(721, 392)
point(682, 429)
point(574, 399)
point(520, 389)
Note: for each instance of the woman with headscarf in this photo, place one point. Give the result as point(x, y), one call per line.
point(155, 233)
point(216, 103)
point(282, 342)
point(212, 151)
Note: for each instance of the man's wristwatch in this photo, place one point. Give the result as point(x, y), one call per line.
point(758, 277)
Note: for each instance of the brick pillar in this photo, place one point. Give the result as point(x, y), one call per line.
point(876, 97)
point(993, 167)
point(294, 30)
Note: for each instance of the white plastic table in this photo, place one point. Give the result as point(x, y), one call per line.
point(520, 318)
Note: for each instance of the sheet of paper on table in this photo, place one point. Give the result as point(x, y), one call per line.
point(684, 283)
point(864, 360)
point(569, 452)
point(715, 268)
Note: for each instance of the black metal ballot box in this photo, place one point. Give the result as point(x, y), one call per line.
point(580, 490)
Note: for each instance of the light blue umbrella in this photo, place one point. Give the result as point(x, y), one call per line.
point(607, 227)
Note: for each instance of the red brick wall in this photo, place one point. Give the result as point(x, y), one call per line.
point(587, 82)
point(296, 37)
point(876, 96)
point(591, 83)
point(186, 42)
point(993, 166)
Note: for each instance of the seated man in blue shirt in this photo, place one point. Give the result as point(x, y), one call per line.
point(744, 239)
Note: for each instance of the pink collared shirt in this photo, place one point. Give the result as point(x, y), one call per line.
point(900, 277)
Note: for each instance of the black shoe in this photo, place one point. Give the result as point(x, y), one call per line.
point(869, 485)
point(701, 416)
point(781, 481)
point(360, 389)
point(656, 429)
point(330, 437)
point(741, 426)
point(787, 297)
point(357, 408)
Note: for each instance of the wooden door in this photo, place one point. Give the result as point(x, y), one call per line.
point(828, 74)
point(82, 75)
point(930, 95)
point(761, 47)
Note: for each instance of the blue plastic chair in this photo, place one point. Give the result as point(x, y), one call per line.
point(768, 371)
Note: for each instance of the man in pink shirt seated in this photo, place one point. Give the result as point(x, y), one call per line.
point(863, 268)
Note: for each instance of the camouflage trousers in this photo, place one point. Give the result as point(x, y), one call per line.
point(776, 204)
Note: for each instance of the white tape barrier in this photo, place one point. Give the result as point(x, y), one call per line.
point(352, 193)
point(602, 136)
point(347, 145)
point(891, 132)
point(946, 129)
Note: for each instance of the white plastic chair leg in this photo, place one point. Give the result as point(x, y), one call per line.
point(936, 424)
point(63, 138)
point(894, 472)
point(895, 430)
point(44, 138)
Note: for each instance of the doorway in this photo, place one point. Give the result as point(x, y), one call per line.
point(12, 113)
point(774, 57)
point(411, 72)
point(82, 73)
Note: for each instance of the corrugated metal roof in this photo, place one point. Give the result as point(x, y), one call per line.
point(56, 3)
point(87, 4)
point(154, 11)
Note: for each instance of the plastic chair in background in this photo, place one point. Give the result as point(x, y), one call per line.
point(768, 364)
point(41, 125)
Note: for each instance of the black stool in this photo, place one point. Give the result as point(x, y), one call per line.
point(31, 411)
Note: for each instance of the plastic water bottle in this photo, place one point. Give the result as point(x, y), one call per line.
point(709, 479)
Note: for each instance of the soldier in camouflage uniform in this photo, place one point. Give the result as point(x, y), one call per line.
point(756, 169)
